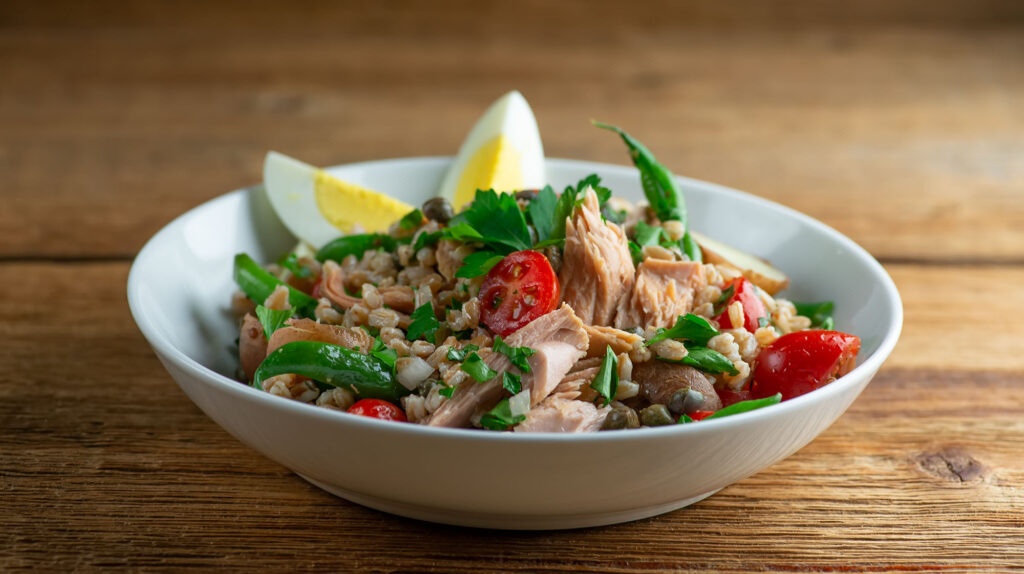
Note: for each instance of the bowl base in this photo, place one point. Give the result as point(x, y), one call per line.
point(504, 521)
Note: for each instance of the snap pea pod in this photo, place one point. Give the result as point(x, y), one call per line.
point(356, 245)
point(257, 283)
point(660, 187)
point(332, 365)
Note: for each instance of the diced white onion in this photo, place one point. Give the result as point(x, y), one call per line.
point(412, 371)
point(519, 404)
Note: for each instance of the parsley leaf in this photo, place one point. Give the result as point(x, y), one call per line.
point(411, 220)
point(745, 406)
point(461, 232)
point(446, 391)
point(383, 353)
point(424, 324)
point(511, 382)
point(516, 355)
point(542, 213)
point(707, 360)
point(271, 319)
point(645, 235)
point(477, 368)
point(818, 313)
point(478, 263)
point(500, 417)
point(636, 253)
point(723, 301)
point(606, 382)
point(593, 181)
point(459, 355)
point(424, 239)
point(688, 327)
point(497, 219)
point(291, 263)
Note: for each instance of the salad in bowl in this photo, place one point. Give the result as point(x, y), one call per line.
point(507, 305)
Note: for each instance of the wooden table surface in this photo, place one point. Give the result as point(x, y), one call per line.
point(901, 124)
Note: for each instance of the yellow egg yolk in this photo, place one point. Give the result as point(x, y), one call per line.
point(345, 204)
point(496, 165)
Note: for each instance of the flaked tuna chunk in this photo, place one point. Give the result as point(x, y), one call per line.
point(576, 385)
point(559, 340)
point(597, 269)
point(563, 415)
point(663, 291)
point(310, 330)
point(603, 337)
point(659, 380)
point(252, 345)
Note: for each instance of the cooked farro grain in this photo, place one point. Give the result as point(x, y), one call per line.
point(674, 229)
point(381, 318)
point(292, 387)
point(371, 297)
point(337, 399)
point(735, 315)
point(766, 335)
point(658, 252)
point(670, 349)
point(278, 300)
point(326, 313)
point(422, 349)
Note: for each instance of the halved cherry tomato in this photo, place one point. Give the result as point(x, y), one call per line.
point(378, 409)
point(730, 397)
point(799, 362)
point(520, 288)
point(701, 415)
point(753, 309)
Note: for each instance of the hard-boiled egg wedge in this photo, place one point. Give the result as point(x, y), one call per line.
point(502, 152)
point(318, 208)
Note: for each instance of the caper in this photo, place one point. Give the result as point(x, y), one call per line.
point(632, 419)
point(656, 416)
point(686, 401)
point(614, 421)
point(438, 209)
point(527, 194)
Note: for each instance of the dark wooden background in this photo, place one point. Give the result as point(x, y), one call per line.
point(899, 123)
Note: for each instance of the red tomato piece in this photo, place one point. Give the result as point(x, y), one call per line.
point(732, 397)
point(520, 288)
point(799, 362)
point(701, 415)
point(378, 409)
point(753, 309)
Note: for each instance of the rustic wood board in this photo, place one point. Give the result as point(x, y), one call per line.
point(899, 123)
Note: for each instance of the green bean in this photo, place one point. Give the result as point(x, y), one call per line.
point(258, 283)
point(356, 245)
point(332, 365)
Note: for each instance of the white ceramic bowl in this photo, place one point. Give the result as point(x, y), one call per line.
point(179, 289)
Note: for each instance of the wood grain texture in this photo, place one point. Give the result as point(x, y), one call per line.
point(897, 122)
point(913, 128)
point(106, 463)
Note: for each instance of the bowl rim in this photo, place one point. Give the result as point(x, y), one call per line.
point(865, 369)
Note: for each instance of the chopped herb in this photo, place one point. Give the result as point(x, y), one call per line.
point(818, 313)
point(424, 324)
point(463, 334)
point(542, 213)
point(685, 419)
point(593, 181)
point(690, 328)
point(500, 417)
point(707, 360)
point(477, 368)
point(645, 235)
point(511, 382)
point(723, 301)
point(498, 221)
point(446, 390)
point(828, 324)
point(385, 354)
point(291, 263)
point(272, 319)
point(745, 406)
point(461, 232)
point(459, 355)
point(411, 220)
point(478, 263)
point(636, 253)
point(424, 239)
point(606, 382)
point(516, 355)
point(614, 215)
point(763, 322)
